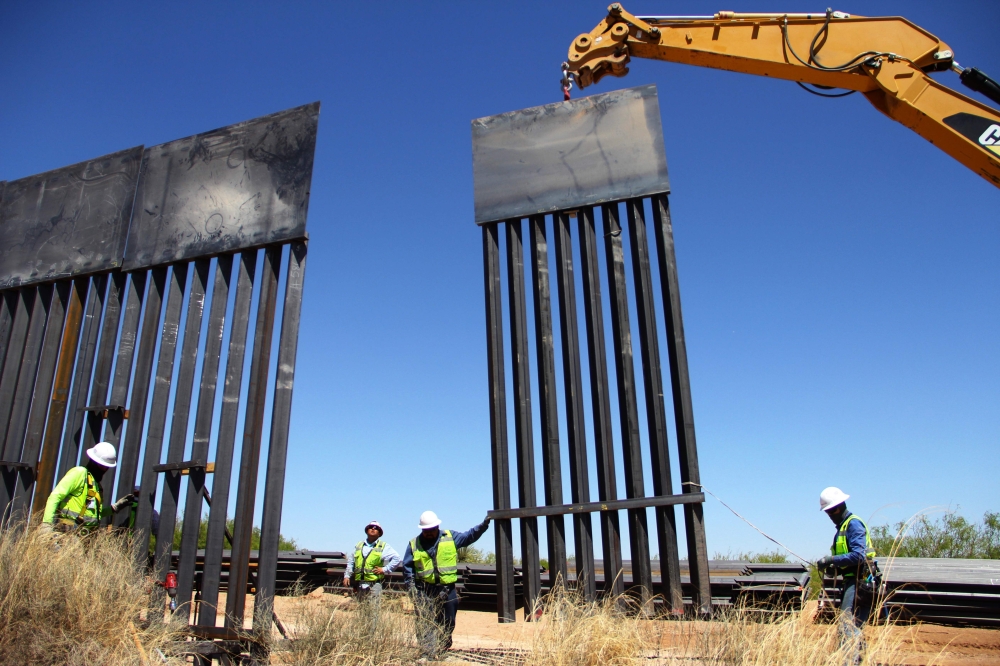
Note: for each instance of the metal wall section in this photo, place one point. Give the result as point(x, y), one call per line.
point(586, 151)
point(629, 280)
point(593, 161)
point(67, 222)
point(118, 354)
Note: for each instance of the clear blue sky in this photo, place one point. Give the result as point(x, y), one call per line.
point(839, 274)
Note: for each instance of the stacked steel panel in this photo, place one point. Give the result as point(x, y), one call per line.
point(948, 591)
point(593, 169)
point(108, 269)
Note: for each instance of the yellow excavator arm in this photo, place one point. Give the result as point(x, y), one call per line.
point(887, 59)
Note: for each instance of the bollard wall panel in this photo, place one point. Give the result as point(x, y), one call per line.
point(102, 306)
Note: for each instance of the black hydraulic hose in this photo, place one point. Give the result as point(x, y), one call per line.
point(981, 83)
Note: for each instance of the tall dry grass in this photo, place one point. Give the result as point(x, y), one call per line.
point(743, 637)
point(75, 601)
point(324, 632)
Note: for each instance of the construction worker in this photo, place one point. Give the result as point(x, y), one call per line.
point(430, 571)
point(852, 557)
point(75, 502)
point(373, 559)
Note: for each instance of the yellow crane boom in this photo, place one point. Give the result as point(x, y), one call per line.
point(887, 59)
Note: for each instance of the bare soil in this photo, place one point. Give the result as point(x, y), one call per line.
point(925, 644)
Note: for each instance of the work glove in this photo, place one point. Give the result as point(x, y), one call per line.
point(46, 529)
point(824, 563)
point(122, 502)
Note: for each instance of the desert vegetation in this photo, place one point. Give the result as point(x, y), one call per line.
point(71, 600)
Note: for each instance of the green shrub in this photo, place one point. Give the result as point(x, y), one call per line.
point(284, 543)
point(950, 535)
point(472, 555)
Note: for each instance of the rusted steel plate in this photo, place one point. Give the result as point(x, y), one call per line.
point(233, 188)
point(559, 156)
point(69, 221)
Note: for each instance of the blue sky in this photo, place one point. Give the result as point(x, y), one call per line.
point(839, 274)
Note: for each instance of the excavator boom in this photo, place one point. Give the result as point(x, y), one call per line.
point(887, 59)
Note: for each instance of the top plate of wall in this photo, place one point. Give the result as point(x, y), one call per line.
point(586, 151)
point(237, 187)
point(68, 221)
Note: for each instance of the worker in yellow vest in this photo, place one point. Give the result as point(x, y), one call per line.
point(852, 557)
point(75, 503)
point(430, 571)
point(373, 559)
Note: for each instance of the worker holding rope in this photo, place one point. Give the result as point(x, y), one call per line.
point(852, 557)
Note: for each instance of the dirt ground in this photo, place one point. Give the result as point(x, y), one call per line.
point(924, 645)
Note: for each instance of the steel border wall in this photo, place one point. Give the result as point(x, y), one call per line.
point(92, 357)
point(553, 507)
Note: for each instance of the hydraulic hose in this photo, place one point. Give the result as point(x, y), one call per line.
point(981, 83)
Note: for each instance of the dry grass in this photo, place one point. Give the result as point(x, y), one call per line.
point(742, 637)
point(367, 634)
point(573, 632)
point(69, 600)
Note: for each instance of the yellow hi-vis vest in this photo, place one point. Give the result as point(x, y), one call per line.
point(840, 546)
point(77, 500)
point(442, 569)
point(363, 566)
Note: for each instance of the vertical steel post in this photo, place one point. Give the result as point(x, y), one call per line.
point(73, 433)
point(202, 432)
point(548, 400)
point(576, 432)
point(12, 365)
point(246, 492)
point(498, 422)
point(40, 397)
point(158, 411)
point(183, 392)
point(8, 303)
point(226, 439)
point(123, 377)
point(24, 388)
point(604, 445)
point(628, 411)
point(277, 451)
point(656, 416)
point(102, 375)
point(520, 364)
point(60, 395)
point(128, 456)
point(694, 519)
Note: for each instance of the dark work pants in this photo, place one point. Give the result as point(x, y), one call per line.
point(855, 611)
point(436, 607)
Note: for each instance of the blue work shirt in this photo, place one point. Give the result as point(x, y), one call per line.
point(856, 548)
point(462, 539)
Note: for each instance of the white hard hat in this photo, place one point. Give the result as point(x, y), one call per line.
point(831, 497)
point(374, 523)
point(103, 453)
point(429, 520)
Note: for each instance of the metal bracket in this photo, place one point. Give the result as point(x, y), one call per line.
point(102, 411)
point(185, 467)
point(593, 507)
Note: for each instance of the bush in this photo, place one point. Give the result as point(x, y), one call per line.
point(472, 555)
point(74, 600)
point(284, 543)
point(774, 556)
point(950, 535)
